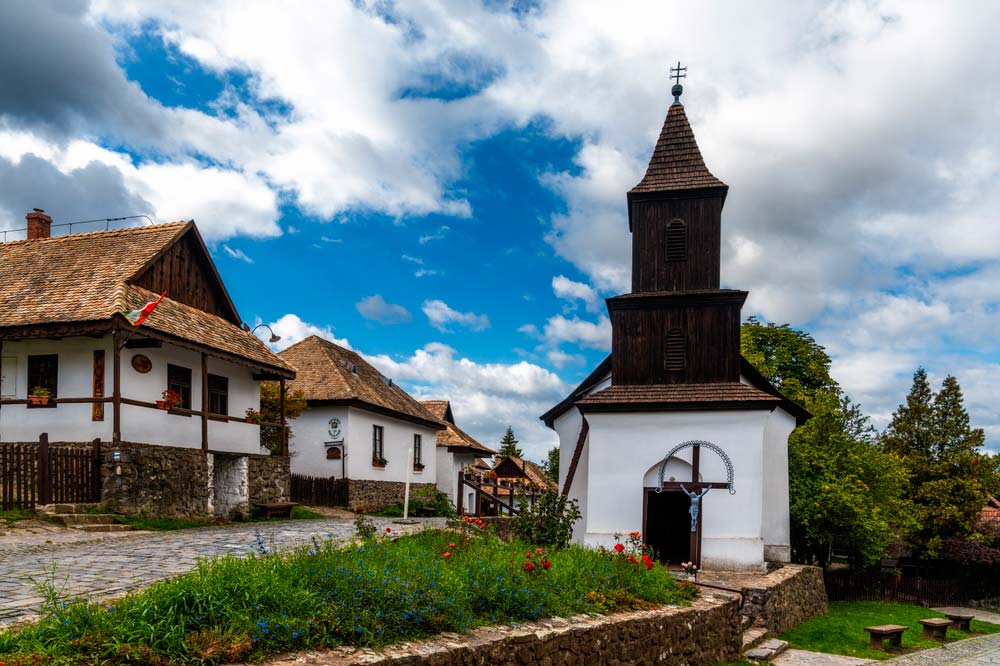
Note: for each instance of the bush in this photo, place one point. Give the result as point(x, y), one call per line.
point(424, 502)
point(380, 591)
point(549, 521)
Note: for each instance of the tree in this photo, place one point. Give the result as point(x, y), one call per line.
point(508, 445)
point(948, 474)
point(551, 464)
point(270, 412)
point(844, 491)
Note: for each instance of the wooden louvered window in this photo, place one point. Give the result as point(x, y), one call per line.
point(676, 241)
point(676, 351)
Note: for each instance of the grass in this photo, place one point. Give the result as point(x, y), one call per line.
point(10, 516)
point(166, 524)
point(376, 592)
point(842, 630)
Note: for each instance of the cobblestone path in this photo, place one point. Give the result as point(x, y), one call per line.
point(982, 651)
point(110, 565)
point(805, 658)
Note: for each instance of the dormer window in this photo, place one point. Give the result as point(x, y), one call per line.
point(675, 355)
point(676, 241)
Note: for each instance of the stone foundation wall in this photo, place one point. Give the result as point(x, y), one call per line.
point(270, 479)
point(155, 480)
point(781, 599)
point(376, 495)
point(703, 634)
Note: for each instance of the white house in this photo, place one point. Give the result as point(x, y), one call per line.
point(456, 450)
point(675, 435)
point(62, 332)
point(358, 426)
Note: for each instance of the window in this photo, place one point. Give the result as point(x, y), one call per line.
point(676, 241)
point(417, 442)
point(676, 350)
point(179, 381)
point(378, 441)
point(218, 395)
point(43, 372)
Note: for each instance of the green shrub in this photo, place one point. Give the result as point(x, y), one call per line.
point(549, 521)
point(424, 502)
point(380, 591)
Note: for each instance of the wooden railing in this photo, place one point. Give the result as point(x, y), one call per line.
point(488, 500)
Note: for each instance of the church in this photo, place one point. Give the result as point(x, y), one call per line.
point(675, 435)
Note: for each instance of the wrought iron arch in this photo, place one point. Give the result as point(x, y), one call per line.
point(699, 443)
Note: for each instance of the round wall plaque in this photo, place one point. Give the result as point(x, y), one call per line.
point(141, 363)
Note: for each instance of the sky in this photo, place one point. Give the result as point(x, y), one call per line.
point(440, 185)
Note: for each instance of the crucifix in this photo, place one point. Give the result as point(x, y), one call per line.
point(677, 73)
point(695, 489)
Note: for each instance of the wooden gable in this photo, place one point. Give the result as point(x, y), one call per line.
point(185, 270)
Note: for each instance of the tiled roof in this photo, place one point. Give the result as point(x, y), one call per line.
point(676, 163)
point(532, 471)
point(480, 463)
point(327, 372)
point(452, 435)
point(85, 278)
point(188, 323)
point(722, 393)
point(74, 278)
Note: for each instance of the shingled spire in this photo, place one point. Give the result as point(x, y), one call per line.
point(676, 163)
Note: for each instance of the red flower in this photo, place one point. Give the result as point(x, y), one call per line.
point(538, 551)
point(451, 545)
point(619, 548)
point(529, 566)
point(528, 555)
point(546, 564)
point(479, 521)
point(388, 529)
point(631, 558)
point(447, 555)
point(649, 565)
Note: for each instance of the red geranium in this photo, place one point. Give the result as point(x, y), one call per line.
point(546, 564)
point(529, 566)
point(619, 548)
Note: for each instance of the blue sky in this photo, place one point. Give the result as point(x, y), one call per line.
point(441, 185)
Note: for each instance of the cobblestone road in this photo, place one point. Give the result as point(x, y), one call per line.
point(113, 564)
point(982, 651)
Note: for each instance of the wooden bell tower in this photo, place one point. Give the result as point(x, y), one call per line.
point(677, 326)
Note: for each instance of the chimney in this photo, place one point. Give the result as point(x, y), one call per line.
point(39, 224)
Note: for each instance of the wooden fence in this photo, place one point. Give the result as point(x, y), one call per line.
point(32, 474)
point(494, 500)
point(919, 590)
point(319, 491)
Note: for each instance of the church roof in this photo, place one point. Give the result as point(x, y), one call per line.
point(719, 395)
point(676, 163)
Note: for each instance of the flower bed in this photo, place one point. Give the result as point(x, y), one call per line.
point(382, 591)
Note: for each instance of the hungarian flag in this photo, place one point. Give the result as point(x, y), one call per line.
point(136, 317)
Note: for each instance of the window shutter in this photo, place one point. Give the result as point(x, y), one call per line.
point(676, 241)
point(676, 351)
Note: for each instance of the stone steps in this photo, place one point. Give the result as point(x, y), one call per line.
point(82, 517)
point(767, 650)
point(78, 519)
point(104, 527)
point(752, 637)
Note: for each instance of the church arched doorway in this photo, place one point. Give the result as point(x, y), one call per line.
point(672, 503)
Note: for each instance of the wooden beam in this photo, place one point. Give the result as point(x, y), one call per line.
point(284, 429)
point(584, 430)
point(116, 405)
point(143, 343)
point(97, 409)
point(204, 402)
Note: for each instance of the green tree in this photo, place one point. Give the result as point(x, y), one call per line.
point(844, 491)
point(948, 474)
point(508, 445)
point(270, 412)
point(551, 464)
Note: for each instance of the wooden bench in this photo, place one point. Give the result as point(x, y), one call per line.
point(961, 621)
point(936, 628)
point(883, 632)
point(280, 509)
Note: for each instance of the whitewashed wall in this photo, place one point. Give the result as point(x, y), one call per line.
point(72, 422)
point(309, 450)
point(448, 466)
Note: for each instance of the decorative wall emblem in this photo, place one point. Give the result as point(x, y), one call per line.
point(141, 364)
point(334, 429)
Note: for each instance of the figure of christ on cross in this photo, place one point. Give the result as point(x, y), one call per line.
point(695, 489)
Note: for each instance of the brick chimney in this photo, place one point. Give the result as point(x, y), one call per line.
point(39, 224)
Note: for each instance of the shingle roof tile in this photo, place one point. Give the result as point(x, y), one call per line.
point(452, 435)
point(734, 393)
point(676, 163)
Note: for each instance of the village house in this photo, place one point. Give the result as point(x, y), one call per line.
point(66, 342)
point(359, 426)
point(456, 451)
point(675, 434)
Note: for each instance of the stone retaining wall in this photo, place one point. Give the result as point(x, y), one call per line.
point(376, 495)
point(778, 600)
point(705, 633)
point(270, 479)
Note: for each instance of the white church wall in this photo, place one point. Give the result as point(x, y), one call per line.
point(626, 447)
point(777, 536)
point(567, 426)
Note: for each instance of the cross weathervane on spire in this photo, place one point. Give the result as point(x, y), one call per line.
point(677, 73)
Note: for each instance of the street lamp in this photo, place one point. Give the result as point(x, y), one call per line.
point(274, 336)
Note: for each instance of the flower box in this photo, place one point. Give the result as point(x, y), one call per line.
point(39, 399)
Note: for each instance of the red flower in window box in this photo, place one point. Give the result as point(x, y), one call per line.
point(171, 399)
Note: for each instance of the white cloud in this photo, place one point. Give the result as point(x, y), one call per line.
point(440, 316)
point(594, 335)
point(485, 397)
point(377, 309)
point(572, 291)
point(292, 329)
point(437, 235)
point(237, 254)
point(415, 260)
point(561, 359)
point(421, 272)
